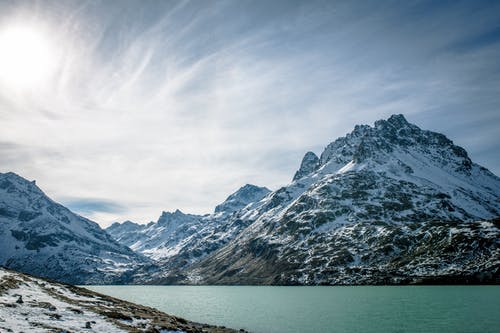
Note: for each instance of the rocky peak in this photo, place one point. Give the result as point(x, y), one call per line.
point(129, 223)
point(126, 225)
point(12, 182)
point(309, 164)
point(398, 120)
point(242, 197)
point(170, 217)
point(396, 130)
point(395, 133)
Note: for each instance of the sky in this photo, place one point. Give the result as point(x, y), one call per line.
point(124, 109)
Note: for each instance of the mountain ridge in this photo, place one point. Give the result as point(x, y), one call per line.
point(41, 237)
point(175, 233)
point(388, 203)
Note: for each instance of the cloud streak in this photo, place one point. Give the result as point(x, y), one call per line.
point(91, 206)
point(164, 105)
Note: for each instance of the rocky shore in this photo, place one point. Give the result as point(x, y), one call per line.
point(30, 304)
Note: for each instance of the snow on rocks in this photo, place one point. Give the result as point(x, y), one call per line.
point(54, 307)
point(44, 309)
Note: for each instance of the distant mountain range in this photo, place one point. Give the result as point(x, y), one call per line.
point(385, 204)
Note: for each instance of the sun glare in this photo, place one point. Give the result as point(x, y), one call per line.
point(27, 57)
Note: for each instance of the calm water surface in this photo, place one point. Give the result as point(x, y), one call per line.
point(426, 309)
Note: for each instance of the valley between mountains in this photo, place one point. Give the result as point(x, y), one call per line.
point(389, 203)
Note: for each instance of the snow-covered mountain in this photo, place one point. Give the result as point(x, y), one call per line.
point(389, 202)
point(385, 203)
point(177, 239)
point(41, 237)
point(161, 239)
point(393, 172)
point(240, 199)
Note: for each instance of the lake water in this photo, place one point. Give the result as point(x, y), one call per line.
point(381, 309)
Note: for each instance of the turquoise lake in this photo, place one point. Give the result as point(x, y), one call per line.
point(384, 309)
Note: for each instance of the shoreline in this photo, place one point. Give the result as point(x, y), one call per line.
point(31, 303)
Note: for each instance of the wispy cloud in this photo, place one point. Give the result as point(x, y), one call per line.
point(162, 105)
point(91, 206)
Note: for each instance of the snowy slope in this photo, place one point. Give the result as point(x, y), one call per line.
point(188, 237)
point(41, 237)
point(29, 304)
point(359, 253)
point(395, 171)
point(393, 174)
point(157, 240)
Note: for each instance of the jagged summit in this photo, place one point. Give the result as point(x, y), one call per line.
point(310, 163)
point(176, 217)
point(391, 137)
point(401, 152)
point(128, 222)
point(13, 182)
point(242, 197)
point(398, 120)
point(165, 214)
point(129, 226)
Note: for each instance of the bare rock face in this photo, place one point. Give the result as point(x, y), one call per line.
point(309, 164)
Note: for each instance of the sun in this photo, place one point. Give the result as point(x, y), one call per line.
point(27, 57)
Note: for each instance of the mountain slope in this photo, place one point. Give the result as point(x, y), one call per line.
point(158, 240)
point(360, 253)
point(178, 239)
point(387, 187)
point(41, 237)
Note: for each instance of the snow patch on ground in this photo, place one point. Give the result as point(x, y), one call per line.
point(41, 312)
